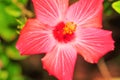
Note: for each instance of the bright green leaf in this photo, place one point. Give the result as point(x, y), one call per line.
point(116, 6)
point(13, 10)
point(3, 75)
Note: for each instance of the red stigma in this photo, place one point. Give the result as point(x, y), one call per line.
point(60, 35)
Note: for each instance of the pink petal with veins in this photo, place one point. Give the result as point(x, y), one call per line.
point(60, 61)
point(50, 12)
point(86, 13)
point(35, 38)
point(93, 43)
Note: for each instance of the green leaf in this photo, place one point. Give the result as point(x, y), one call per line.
point(7, 22)
point(3, 75)
point(23, 1)
point(116, 6)
point(13, 53)
point(8, 34)
point(13, 10)
point(4, 60)
point(15, 71)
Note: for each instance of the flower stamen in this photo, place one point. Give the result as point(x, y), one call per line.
point(69, 28)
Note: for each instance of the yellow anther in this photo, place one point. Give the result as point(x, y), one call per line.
point(69, 28)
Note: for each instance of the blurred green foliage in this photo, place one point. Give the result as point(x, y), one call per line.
point(12, 19)
point(9, 13)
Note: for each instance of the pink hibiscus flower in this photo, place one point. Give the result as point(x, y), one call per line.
point(61, 32)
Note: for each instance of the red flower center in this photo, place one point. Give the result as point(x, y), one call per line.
point(64, 32)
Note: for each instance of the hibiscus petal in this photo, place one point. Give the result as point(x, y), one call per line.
point(35, 38)
point(86, 13)
point(60, 62)
point(93, 43)
point(50, 11)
